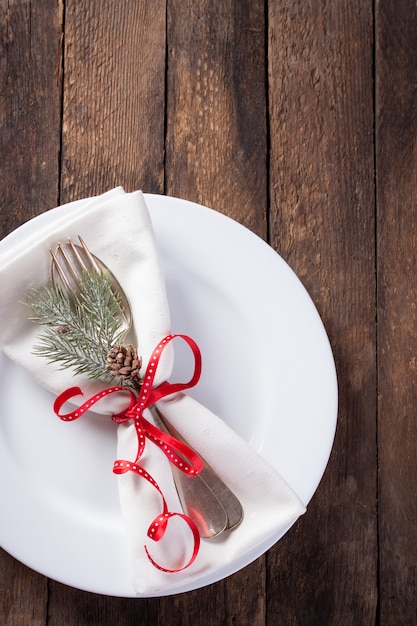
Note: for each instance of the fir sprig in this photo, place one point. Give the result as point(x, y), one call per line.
point(79, 328)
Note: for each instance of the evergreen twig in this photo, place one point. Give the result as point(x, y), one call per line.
point(79, 328)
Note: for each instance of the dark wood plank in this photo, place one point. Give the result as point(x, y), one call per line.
point(30, 75)
point(80, 608)
point(397, 311)
point(237, 600)
point(113, 134)
point(216, 108)
point(30, 92)
point(114, 97)
point(322, 223)
point(216, 154)
point(24, 594)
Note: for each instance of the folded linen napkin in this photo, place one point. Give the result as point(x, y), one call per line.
point(117, 228)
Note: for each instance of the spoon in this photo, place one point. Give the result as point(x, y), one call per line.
point(205, 498)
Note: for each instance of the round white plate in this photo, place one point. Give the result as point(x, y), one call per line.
point(268, 371)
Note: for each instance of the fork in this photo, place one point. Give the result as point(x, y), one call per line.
point(205, 498)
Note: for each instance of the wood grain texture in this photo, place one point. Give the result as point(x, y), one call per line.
point(113, 134)
point(24, 594)
point(114, 97)
point(30, 94)
point(322, 223)
point(79, 608)
point(269, 112)
point(237, 600)
point(397, 308)
point(216, 107)
point(216, 154)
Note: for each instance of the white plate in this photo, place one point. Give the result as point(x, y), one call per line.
point(268, 371)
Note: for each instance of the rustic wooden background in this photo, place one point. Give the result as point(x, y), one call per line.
point(298, 119)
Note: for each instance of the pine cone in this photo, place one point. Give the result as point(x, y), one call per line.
point(124, 363)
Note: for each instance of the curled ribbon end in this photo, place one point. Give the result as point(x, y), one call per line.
point(169, 445)
point(157, 533)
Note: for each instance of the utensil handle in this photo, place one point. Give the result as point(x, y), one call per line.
point(197, 499)
point(195, 496)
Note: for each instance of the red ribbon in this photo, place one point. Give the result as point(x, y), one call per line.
point(170, 446)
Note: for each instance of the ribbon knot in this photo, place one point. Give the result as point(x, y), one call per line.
point(177, 453)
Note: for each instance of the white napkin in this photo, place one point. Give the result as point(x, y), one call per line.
point(117, 228)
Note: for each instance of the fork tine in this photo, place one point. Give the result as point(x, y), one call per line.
point(77, 254)
point(71, 267)
point(60, 271)
point(69, 263)
point(89, 255)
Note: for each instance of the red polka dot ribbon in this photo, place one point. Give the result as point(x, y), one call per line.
point(178, 453)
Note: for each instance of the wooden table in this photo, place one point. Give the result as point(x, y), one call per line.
point(297, 118)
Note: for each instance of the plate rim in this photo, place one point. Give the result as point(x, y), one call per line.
point(258, 550)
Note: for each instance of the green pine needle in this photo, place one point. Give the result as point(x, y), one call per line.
point(80, 329)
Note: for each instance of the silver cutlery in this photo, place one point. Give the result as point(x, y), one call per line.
point(205, 498)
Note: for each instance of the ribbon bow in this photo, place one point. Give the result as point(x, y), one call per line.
point(170, 446)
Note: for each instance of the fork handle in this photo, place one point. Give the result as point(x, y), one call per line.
point(197, 491)
point(197, 499)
